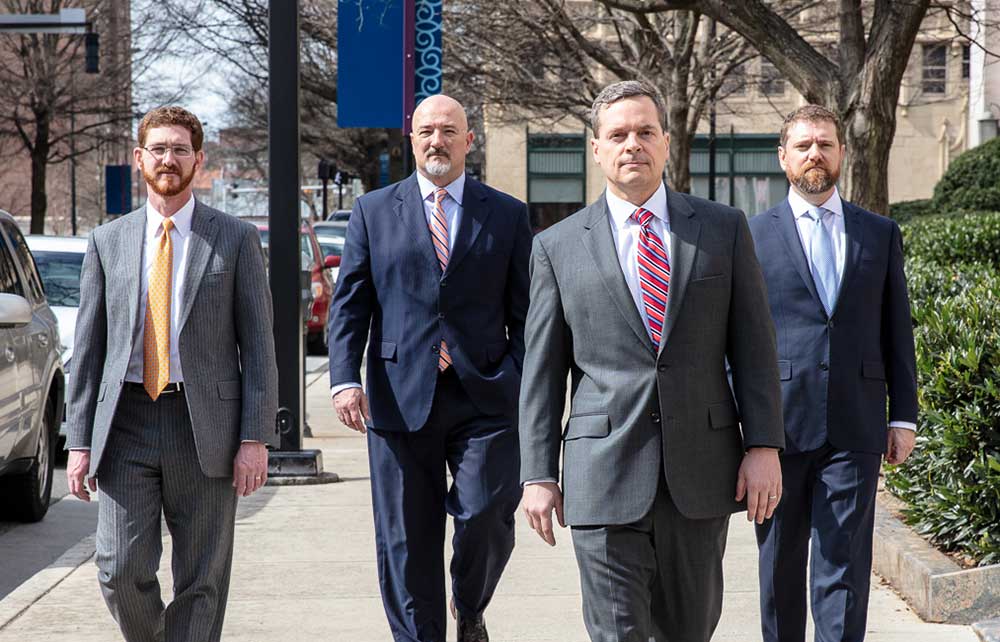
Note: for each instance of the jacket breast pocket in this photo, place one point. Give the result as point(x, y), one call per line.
point(388, 350)
point(216, 278)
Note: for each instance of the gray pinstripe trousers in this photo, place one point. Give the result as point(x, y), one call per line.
point(150, 466)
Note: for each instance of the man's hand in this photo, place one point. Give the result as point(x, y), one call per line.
point(249, 468)
point(77, 467)
point(760, 482)
point(901, 442)
point(352, 408)
point(539, 500)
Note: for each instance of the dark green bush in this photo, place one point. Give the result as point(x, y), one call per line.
point(973, 237)
point(904, 211)
point(972, 181)
point(952, 481)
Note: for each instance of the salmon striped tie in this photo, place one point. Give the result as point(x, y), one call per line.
point(156, 335)
point(439, 234)
point(654, 274)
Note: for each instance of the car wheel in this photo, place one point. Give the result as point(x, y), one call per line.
point(29, 493)
point(318, 342)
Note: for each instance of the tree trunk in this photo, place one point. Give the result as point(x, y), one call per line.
point(869, 132)
point(679, 164)
point(39, 170)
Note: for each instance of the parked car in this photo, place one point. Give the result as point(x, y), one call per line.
point(322, 281)
point(331, 236)
point(60, 260)
point(32, 384)
point(339, 215)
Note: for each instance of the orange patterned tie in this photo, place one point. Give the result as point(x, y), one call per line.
point(439, 235)
point(156, 336)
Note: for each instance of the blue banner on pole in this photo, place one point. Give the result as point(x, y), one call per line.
point(427, 48)
point(118, 189)
point(370, 58)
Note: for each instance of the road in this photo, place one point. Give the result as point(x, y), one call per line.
point(26, 549)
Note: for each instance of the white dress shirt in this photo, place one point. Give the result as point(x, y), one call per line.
point(179, 236)
point(625, 231)
point(452, 206)
point(835, 224)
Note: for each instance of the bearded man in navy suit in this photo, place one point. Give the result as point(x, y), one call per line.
point(837, 292)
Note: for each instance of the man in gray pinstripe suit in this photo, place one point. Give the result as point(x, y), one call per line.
point(174, 390)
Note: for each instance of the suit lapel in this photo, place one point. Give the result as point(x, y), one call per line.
point(200, 243)
point(475, 211)
point(854, 232)
point(684, 232)
point(133, 244)
point(784, 222)
point(410, 209)
point(600, 243)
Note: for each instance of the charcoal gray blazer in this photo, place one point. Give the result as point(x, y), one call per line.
point(226, 337)
point(636, 415)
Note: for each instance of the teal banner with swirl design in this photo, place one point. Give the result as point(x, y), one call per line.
point(427, 49)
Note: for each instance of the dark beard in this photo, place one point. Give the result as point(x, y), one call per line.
point(817, 182)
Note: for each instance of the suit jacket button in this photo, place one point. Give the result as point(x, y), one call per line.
point(444, 283)
point(435, 349)
point(440, 315)
point(829, 323)
point(824, 366)
point(655, 416)
point(662, 367)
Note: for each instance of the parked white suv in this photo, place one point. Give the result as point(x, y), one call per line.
point(32, 384)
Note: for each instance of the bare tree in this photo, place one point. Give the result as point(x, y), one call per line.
point(857, 72)
point(549, 58)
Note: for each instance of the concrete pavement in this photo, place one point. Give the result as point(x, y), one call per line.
point(305, 570)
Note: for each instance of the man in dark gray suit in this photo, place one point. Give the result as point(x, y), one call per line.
point(174, 390)
point(640, 299)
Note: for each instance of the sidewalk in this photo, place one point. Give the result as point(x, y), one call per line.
point(305, 570)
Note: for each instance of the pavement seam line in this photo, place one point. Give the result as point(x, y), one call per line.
point(78, 555)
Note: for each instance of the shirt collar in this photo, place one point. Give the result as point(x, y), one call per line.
point(182, 218)
point(801, 206)
point(455, 189)
point(621, 209)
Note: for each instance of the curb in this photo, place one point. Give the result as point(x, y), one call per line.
point(988, 631)
point(40, 584)
point(937, 588)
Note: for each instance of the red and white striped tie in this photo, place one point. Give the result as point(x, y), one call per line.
point(654, 275)
point(439, 234)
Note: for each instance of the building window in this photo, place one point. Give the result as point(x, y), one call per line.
point(966, 61)
point(556, 177)
point(747, 176)
point(935, 68)
point(735, 82)
point(771, 82)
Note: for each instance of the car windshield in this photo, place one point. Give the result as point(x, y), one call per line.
point(60, 273)
point(331, 245)
point(306, 248)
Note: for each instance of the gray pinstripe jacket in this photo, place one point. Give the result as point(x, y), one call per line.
point(226, 339)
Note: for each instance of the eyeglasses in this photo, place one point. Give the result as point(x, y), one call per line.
point(180, 151)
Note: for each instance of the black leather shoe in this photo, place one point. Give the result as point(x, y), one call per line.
point(472, 629)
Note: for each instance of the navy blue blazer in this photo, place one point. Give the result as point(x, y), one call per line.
point(836, 371)
point(391, 293)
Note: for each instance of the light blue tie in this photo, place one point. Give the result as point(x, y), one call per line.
point(824, 266)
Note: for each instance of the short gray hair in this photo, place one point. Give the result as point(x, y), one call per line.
point(622, 90)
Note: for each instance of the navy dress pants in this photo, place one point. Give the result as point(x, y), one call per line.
point(412, 499)
point(828, 507)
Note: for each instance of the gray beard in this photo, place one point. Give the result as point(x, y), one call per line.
point(436, 168)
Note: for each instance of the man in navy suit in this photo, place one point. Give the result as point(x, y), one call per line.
point(435, 279)
point(837, 292)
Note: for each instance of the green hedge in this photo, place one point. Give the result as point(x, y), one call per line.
point(972, 181)
point(904, 211)
point(951, 483)
point(972, 237)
